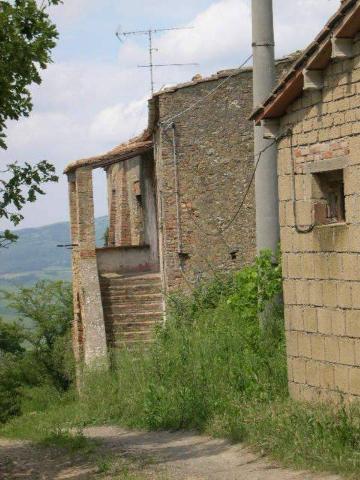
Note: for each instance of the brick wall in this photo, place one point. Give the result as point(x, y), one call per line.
point(322, 267)
point(89, 340)
point(125, 213)
point(214, 152)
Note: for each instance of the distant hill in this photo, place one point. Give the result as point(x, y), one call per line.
point(35, 256)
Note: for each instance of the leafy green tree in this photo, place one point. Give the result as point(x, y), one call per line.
point(38, 355)
point(11, 338)
point(48, 305)
point(27, 37)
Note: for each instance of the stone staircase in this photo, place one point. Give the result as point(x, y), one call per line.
point(133, 306)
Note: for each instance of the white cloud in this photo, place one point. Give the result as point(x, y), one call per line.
point(86, 108)
point(224, 27)
point(71, 10)
point(120, 121)
point(221, 37)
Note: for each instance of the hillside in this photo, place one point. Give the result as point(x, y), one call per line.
point(35, 256)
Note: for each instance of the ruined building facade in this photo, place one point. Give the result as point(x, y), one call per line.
point(317, 108)
point(174, 219)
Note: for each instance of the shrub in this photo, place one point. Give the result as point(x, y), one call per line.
point(39, 356)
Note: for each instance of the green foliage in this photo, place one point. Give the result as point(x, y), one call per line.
point(39, 356)
point(22, 186)
point(216, 368)
point(11, 338)
point(105, 237)
point(66, 440)
point(27, 37)
point(26, 40)
point(256, 286)
point(320, 437)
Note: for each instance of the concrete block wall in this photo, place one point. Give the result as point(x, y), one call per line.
point(322, 268)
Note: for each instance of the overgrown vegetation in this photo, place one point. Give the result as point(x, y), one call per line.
point(36, 364)
point(216, 368)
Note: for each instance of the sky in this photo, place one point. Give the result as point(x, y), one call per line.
point(94, 97)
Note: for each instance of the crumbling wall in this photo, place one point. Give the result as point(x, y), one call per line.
point(322, 268)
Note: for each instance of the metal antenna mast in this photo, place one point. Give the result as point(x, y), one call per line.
point(149, 33)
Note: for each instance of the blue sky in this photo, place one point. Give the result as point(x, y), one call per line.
point(93, 96)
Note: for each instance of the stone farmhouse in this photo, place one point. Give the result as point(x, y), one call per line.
point(173, 195)
point(317, 106)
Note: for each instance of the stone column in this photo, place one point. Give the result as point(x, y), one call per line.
point(123, 232)
point(95, 347)
point(77, 326)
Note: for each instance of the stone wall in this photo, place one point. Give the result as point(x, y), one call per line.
point(200, 231)
point(322, 268)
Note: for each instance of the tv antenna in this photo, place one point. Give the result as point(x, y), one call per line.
point(150, 33)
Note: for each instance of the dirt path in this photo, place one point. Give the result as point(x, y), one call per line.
point(178, 456)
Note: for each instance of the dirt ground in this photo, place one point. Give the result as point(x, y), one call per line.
point(155, 455)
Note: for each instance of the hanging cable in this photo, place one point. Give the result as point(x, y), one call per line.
point(232, 220)
point(247, 191)
point(168, 122)
point(177, 192)
point(298, 229)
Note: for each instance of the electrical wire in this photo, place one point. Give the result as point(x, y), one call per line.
point(303, 229)
point(247, 191)
point(249, 186)
point(168, 122)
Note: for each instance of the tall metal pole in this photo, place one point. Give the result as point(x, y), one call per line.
point(151, 63)
point(266, 183)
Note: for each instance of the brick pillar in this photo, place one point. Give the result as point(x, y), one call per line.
point(91, 311)
point(77, 327)
point(124, 220)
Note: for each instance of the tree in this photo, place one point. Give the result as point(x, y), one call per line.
point(39, 355)
point(48, 305)
point(27, 37)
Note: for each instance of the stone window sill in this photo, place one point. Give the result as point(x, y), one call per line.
point(332, 225)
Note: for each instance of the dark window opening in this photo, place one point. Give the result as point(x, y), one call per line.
point(330, 201)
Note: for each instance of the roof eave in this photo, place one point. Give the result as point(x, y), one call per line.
point(315, 57)
point(104, 161)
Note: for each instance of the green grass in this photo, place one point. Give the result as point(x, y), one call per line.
point(213, 368)
point(127, 467)
point(68, 440)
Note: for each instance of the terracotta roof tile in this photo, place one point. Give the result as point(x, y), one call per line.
point(132, 148)
point(345, 23)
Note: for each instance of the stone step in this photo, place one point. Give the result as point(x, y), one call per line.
point(131, 279)
point(115, 298)
point(133, 326)
point(135, 289)
point(134, 317)
point(132, 308)
point(134, 335)
point(131, 336)
point(132, 344)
